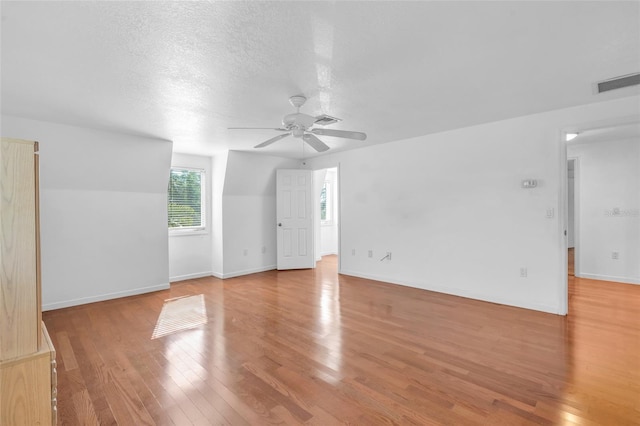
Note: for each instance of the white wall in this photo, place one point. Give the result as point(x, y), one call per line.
point(450, 208)
point(191, 252)
point(329, 231)
point(242, 236)
point(609, 177)
point(103, 211)
point(219, 165)
point(249, 212)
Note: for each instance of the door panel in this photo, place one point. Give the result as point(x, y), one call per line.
point(294, 216)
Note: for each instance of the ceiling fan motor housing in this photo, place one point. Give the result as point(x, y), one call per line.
point(298, 121)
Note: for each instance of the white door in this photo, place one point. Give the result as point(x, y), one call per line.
point(294, 216)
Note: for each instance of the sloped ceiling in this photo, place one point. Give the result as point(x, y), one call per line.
point(186, 71)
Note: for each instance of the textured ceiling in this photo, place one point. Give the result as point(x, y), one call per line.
point(185, 71)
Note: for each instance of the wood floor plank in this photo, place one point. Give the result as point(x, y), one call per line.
point(84, 408)
point(290, 397)
point(313, 347)
point(65, 351)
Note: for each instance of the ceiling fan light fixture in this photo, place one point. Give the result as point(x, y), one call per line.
point(298, 120)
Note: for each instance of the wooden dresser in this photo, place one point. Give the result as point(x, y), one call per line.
point(28, 387)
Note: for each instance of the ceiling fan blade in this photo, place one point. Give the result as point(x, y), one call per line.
point(315, 143)
point(272, 140)
point(257, 128)
point(340, 134)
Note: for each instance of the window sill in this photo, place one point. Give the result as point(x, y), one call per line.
point(187, 232)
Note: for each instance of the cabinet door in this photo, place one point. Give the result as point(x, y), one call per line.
point(28, 387)
point(26, 391)
point(20, 310)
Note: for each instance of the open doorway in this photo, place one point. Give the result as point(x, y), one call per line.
point(327, 217)
point(603, 219)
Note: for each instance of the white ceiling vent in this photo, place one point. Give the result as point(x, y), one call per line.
point(619, 82)
point(325, 119)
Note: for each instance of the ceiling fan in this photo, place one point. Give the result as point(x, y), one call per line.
point(300, 125)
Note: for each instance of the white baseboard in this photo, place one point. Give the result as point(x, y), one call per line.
point(103, 297)
point(244, 272)
point(190, 276)
point(625, 280)
point(459, 292)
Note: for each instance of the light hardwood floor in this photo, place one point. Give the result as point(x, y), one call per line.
point(312, 347)
point(571, 260)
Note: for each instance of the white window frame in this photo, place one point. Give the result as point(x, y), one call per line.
point(191, 230)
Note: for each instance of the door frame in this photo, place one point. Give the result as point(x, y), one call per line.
point(563, 206)
point(338, 201)
point(576, 214)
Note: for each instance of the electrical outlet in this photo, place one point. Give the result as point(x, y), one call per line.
point(353, 252)
point(264, 249)
point(245, 252)
point(523, 272)
point(615, 255)
point(370, 253)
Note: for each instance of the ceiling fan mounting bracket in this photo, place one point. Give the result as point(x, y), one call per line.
point(297, 101)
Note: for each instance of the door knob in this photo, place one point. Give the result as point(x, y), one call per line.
point(279, 224)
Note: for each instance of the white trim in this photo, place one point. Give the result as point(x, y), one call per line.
point(338, 201)
point(190, 276)
point(188, 232)
point(625, 280)
point(562, 241)
point(192, 230)
point(103, 297)
point(243, 272)
point(576, 215)
point(461, 293)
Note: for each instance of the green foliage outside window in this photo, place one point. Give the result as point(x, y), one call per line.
point(185, 198)
point(325, 212)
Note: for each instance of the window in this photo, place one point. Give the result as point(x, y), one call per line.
point(185, 196)
point(325, 203)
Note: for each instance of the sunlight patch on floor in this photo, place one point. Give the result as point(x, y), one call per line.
point(180, 313)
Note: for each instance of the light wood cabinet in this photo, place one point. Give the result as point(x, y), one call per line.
point(28, 387)
point(27, 357)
